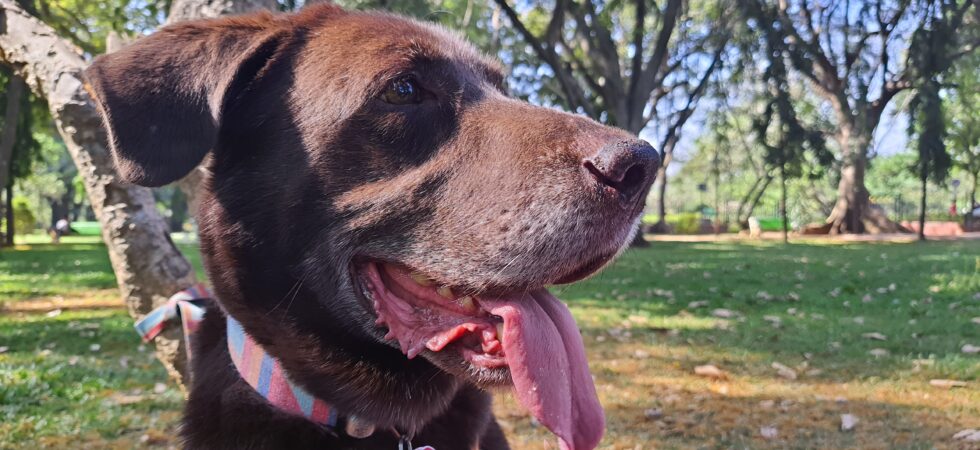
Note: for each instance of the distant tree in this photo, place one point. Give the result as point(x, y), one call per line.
point(928, 60)
point(961, 106)
point(624, 63)
point(853, 55)
point(18, 148)
point(786, 141)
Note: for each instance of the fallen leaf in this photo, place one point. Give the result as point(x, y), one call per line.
point(784, 371)
point(968, 435)
point(640, 354)
point(859, 320)
point(848, 422)
point(970, 349)
point(867, 298)
point(4, 349)
point(768, 432)
point(975, 320)
point(126, 399)
point(947, 384)
point(53, 313)
point(159, 388)
point(697, 304)
point(723, 313)
point(875, 336)
point(768, 404)
point(653, 413)
point(710, 371)
point(95, 347)
point(878, 352)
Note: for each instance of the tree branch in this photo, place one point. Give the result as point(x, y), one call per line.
point(566, 80)
point(643, 82)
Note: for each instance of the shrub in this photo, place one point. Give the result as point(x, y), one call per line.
point(685, 223)
point(24, 219)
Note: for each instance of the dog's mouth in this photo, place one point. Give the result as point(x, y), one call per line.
point(422, 314)
point(527, 334)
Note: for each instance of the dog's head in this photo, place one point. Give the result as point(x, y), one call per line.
point(374, 193)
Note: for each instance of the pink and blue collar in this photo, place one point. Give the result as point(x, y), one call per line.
point(264, 373)
point(258, 368)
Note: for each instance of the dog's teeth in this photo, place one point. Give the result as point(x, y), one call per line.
point(445, 291)
point(421, 279)
point(500, 332)
point(467, 303)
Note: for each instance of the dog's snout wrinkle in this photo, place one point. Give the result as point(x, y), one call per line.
point(627, 166)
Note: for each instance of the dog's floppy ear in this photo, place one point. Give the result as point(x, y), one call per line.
point(162, 98)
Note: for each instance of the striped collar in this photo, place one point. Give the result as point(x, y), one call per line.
point(258, 368)
point(264, 373)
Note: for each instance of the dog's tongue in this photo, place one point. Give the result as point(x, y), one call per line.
point(548, 366)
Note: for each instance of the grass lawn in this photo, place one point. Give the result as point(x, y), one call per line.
point(80, 378)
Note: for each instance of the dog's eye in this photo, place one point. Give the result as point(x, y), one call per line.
point(402, 91)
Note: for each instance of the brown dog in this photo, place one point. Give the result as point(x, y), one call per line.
point(381, 218)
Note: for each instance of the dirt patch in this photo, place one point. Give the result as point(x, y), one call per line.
point(94, 299)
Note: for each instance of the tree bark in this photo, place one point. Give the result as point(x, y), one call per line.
point(782, 203)
point(15, 90)
point(8, 239)
point(973, 192)
point(757, 197)
point(853, 212)
point(198, 9)
point(924, 178)
point(148, 266)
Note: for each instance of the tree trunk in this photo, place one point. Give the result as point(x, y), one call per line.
point(11, 117)
point(667, 155)
point(782, 203)
point(924, 178)
point(853, 212)
point(198, 9)
point(8, 239)
point(147, 265)
point(743, 220)
point(973, 192)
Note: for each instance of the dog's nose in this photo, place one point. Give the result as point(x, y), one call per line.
point(628, 166)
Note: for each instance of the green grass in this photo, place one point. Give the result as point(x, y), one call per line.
point(643, 336)
point(75, 267)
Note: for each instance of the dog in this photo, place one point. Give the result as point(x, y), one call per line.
point(381, 220)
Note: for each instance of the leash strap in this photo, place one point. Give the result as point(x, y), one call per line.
point(185, 305)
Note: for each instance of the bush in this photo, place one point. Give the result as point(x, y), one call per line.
point(684, 223)
point(24, 219)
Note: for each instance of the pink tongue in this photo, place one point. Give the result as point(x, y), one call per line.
point(547, 363)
